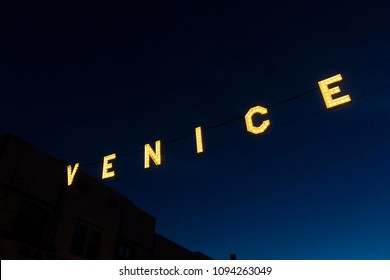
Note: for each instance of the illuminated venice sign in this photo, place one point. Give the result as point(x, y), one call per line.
point(155, 154)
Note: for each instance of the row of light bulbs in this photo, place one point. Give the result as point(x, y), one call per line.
point(155, 154)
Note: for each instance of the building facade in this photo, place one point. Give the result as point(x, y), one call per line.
point(42, 218)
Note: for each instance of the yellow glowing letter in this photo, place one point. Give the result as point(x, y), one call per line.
point(199, 140)
point(327, 93)
point(149, 153)
point(249, 122)
point(107, 165)
point(71, 173)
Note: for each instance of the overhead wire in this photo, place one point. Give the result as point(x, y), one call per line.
point(246, 136)
point(226, 122)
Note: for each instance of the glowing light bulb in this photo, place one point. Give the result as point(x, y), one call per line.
point(71, 173)
point(108, 165)
point(199, 140)
point(327, 93)
point(249, 120)
point(155, 156)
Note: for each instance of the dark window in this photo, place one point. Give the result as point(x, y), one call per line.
point(31, 223)
point(82, 185)
point(78, 241)
point(85, 242)
point(93, 245)
point(126, 252)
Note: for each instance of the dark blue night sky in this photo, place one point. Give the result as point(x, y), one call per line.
point(81, 83)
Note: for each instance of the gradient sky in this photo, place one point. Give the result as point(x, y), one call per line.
point(87, 82)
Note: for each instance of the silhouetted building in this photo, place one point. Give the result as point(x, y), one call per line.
point(42, 218)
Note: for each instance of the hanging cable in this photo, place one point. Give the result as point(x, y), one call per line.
point(287, 100)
